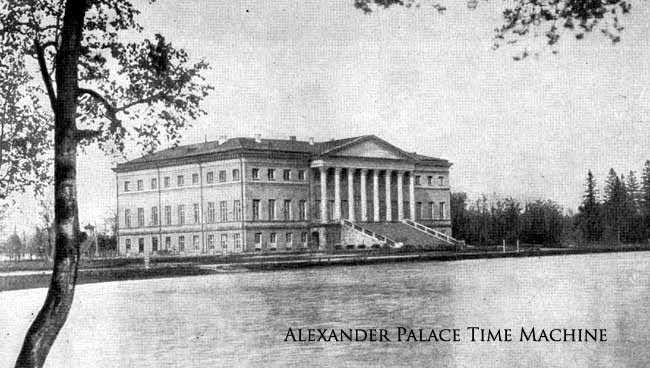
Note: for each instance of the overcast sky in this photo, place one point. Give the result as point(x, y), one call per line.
point(423, 81)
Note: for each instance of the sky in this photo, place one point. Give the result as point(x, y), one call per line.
point(424, 81)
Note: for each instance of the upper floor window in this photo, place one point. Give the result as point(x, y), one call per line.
point(195, 179)
point(140, 217)
point(197, 213)
point(286, 175)
point(430, 180)
point(256, 174)
point(417, 179)
point(209, 177)
point(302, 210)
point(154, 183)
point(287, 210)
point(271, 174)
point(127, 218)
point(166, 181)
point(222, 176)
point(236, 210)
point(442, 210)
point(442, 180)
point(168, 215)
point(154, 215)
point(223, 211)
point(301, 175)
point(180, 180)
point(211, 212)
point(181, 214)
point(235, 174)
point(140, 184)
point(256, 209)
point(271, 209)
point(126, 186)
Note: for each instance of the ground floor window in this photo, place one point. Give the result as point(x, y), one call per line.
point(127, 244)
point(258, 240)
point(237, 240)
point(168, 242)
point(289, 239)
point(211, 241)
point(140, 245)
point(273, 239)
point(195, 242)
point(181, 243)
point(224, 241)
point(304, 238)
point(154, 244)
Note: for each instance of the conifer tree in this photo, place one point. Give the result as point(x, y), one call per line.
point(645, 197)
point(589, 211)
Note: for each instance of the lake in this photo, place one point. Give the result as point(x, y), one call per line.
point(242, 319)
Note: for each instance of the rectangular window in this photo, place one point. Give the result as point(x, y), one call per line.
point(197, 213)
point(127, 218)
point(316, 211)
point(211, 212)
point(222, 176)
point(432, 210)
point(181, 214)
point(271, 174)
point(154, 244)
point(258, 240)
point(417, 179)
point(442, 180)
point(302, 210)
point(154, 216)
point(303, 238)
point(127, 244)
point(430, 180)
point(286, 174)
point(154, 183)
point(140, 217)
point(168, 215)
point(443, 215)
point(209, 178)
point(195, 242)
point(235, 174)
point(273, 239)
point(140, 184)
point(301, 175)
point(195, 179)
point(256, 174)
point(181, 243)
point(140, 245)
point(271, 209)
point(168, 242)
point(224, 241)
point(236, 210)
point(223, 211)
point(256, 209)
point(330, 210)
point(166, 181)
point(211, 241)
point(180, 181)
point(126, 186)
point(289, 239)
point(236, 239)
point(287, 210)
point(418, 210)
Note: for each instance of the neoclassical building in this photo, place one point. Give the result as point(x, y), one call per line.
point(253, 194)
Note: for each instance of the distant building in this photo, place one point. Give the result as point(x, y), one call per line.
point(252, 194)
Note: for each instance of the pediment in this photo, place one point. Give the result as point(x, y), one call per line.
point(371, 148)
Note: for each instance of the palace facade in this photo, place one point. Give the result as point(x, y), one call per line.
point(253, 194)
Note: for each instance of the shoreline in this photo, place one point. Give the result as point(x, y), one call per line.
point(133, 269)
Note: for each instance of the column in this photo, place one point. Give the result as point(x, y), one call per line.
point(375, 195)
point(364, 199)
point(412, 195)
point(400, 195)
point(337, 193)
point(389, 205)
point(323, 195)
point(351, 194)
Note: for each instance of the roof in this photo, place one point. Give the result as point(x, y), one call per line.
point(264, 145)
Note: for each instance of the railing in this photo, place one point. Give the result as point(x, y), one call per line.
point(435, 233)
point(380, 238)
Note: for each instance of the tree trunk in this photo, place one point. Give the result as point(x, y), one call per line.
point(52, 316)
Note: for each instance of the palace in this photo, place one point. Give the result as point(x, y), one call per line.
point(253, 194)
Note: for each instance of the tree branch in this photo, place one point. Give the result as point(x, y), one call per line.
point(42, 64)
point(151, 98)
point(110, 109)
point(83, 134)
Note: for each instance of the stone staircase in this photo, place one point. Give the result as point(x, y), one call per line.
point(398, 234)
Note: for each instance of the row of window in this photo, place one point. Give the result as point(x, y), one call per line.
point(287, 210)
point(195, 243)
point(273, 240)
point(211, 215)
point(287, 174)
point(430, 180)
point(430, 212)
point(180, 180)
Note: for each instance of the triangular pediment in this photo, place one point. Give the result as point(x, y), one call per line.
point(371, 147)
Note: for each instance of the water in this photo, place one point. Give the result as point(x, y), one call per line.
point(242, 319)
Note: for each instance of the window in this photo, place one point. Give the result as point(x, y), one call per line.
point(154, 183)
point(236, 209)
point(430, 180)
point(303, 238)
point(286, 174)
point(166, 181)
point(168, 242)
point(168, 215)
point(418, 210)
point(256, 209)
point(223, 211)
point(258, 240)
point(273, 239)
point(271, 174)
point(442, 210)
point(236, 239)
point(271, 209)
point(140, 184)
point(330, 210)
point(127, 244)
point(195, 242)
point(442, 180)
point(317, 209)
point(235, 174)
point(180, 181)
point(126, 186)
point(211, 241)
point(181, 243)
point(256, 174)
point(301, 175)
point(224, 241)
point(302, 210)
point(222, 176)
point(432, 210)
point(209, 178)
point(197, 213)
point(195, 179)
point(289, 239)
point(140, 217)
point(417, 179)
point(181, 214)
point(154, 244)
point(127, 218)
point(287, 210)
point(154, 216)
point(140, 245)
point(211, 212)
